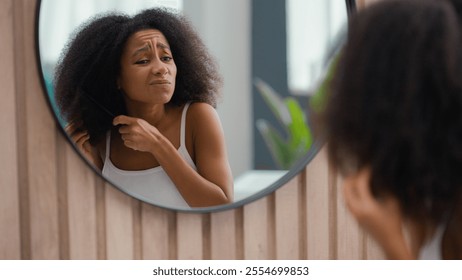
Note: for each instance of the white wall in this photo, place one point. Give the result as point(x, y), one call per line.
point(225, 27)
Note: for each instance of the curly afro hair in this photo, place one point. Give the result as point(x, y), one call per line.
point(86, 76)
point(395, 105)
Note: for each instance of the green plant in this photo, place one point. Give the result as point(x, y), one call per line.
point(284, 150)
point(319, 99)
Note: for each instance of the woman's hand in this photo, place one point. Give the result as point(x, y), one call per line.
point(136, 133)
point(81, 139)
point(381, 218)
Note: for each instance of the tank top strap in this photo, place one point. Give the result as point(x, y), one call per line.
point(183, 125)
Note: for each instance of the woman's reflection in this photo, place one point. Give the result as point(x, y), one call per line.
point(138, 94)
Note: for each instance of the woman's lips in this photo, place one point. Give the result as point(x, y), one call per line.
point(160, 82)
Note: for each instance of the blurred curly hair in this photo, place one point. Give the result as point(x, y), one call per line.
point(86, 75)
point(395, 106)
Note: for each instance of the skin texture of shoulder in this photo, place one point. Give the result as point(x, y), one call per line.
point(203, 119)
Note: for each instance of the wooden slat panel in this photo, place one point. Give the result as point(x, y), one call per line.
point(100, 197)
point(81, 207)
point(40, 142)
point(156, 225)
point(287, 221)
point(189, 234)
point(21, 132)
point(136, 224)
point(224, 235)
point(9, 211)
point(119, 224)
point(258, 230)
point(63, 213)
point(317, 201)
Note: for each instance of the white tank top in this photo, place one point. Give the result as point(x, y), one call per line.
point(432, 249)
point(151, 185)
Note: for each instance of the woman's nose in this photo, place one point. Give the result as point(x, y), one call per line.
point(158, 67)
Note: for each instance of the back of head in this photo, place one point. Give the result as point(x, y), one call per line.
point(396, 105)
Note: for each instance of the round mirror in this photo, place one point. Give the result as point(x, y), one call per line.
point(273, 56)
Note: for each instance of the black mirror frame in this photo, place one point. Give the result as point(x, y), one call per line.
point(294, 171)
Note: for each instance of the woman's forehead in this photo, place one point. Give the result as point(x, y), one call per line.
point(143, 36)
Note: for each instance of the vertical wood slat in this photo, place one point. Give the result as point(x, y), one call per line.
point(224, 235)
point(287, 221)
point(81, 207)
point(100, 209)
point(257, 230)
point(40, 141)
point(156, 224)
point(63, 201)
point(9, 200)
point(317, 202)
point(119, 224)
point(333, 195)
point(137, 229)
point(189, 236)
point(21, 132)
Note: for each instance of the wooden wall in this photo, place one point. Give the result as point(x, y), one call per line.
point(52, 206)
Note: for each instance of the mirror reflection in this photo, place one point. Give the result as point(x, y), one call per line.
point(272, 61)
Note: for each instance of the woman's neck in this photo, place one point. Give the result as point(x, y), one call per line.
point(152, 113)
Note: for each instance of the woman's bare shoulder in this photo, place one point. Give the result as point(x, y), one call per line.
point(201, 112)
point(204, 120)
point(201, 107)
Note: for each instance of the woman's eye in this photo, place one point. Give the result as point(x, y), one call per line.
point(142, 61)
point(167, 58)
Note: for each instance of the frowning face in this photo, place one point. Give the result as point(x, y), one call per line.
point(148, 70)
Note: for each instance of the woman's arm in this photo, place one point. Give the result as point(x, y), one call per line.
point(212, 183)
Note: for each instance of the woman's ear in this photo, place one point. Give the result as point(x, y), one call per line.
point(356, 190)
point(381, 218)
point(362, 203)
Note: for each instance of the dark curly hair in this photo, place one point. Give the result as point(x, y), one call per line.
point(86, 76)
point(395, 106)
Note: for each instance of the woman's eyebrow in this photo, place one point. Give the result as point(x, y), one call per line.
point(145, 48)
point(163, 46)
